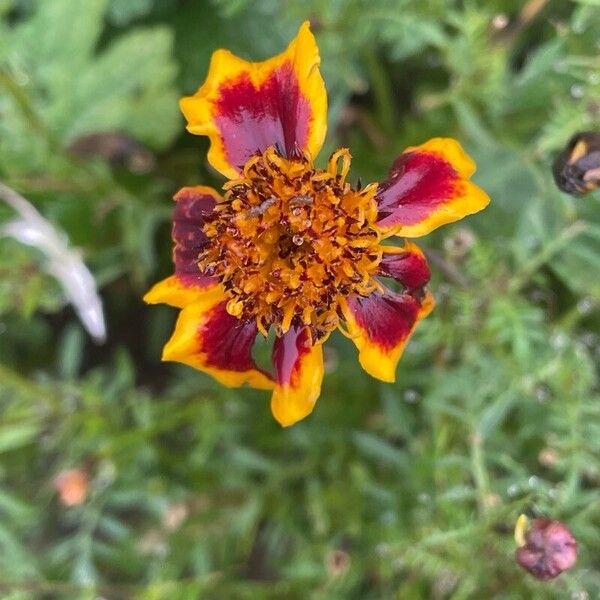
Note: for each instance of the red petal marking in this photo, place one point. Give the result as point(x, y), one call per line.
point(189, 217)
point(227, 341)
point(288, 351)
point(409, 268)
point(251, 119)
point(386, 319)
point(419, 182)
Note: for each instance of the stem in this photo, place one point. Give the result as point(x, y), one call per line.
point(574, 476)
point(381, 90)
point(479, 472)
point(542, 257)
point(22, 101)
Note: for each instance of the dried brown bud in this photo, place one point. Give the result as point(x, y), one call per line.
point(546, 549)
point(459, 245)
point(175, 514)
point(72, 486)
point(337, 562)
point(577, 168)
point(118, 149)
point(548, 457)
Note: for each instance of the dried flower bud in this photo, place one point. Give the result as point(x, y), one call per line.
point(577, 168)
point(337, 562)
point(546, 549)
point(459, 244)
point(175, 514)
point(72, 486)
point(115, 147)
point(548, 457)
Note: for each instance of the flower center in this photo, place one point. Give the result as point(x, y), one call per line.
point(288, 241)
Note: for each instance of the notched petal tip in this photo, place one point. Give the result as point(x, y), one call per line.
point(428, 187)
point(245, 107)
point(381, 325)
point(207, 338)
point(299, 371)
point(452, 151)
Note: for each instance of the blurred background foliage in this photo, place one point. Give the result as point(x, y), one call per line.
point(408, 490)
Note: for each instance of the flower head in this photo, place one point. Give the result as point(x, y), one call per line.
point(546, 548)
point(295, 249)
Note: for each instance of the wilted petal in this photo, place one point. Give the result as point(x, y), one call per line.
point(64, 263)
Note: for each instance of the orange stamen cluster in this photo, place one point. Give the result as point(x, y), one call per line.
point(288, 241)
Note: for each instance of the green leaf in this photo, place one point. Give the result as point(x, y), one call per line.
point(380, 449)
point(129, 87)
point(18, 435)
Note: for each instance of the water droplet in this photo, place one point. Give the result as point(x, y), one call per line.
point(298, 240)
point(553, 493)
point(411, 396)
point(559, 341)
point(585, 306)
point(538, 295)
point(533, 481)
point(594, 78)
point(500, 21)
point(560, 67)
point(424, 498)
point(433, 60)
point(398, 564)
point(512, 490)
point(542, 393)
point(444, 289)
point(588, 339)
point(577, 91)
point(388, 517)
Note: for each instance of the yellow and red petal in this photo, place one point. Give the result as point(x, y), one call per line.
point(428, 186)
point(245, 107)
point(188, 284)
point(380, 326)
point(178, 292)
point(406, 264)
point(208, 338)
point(298, 373)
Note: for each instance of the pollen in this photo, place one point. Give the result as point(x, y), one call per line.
point(289, 241)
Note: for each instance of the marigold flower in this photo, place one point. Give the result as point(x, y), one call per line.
point(292, 248)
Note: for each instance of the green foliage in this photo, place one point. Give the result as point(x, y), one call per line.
point(194, 490)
